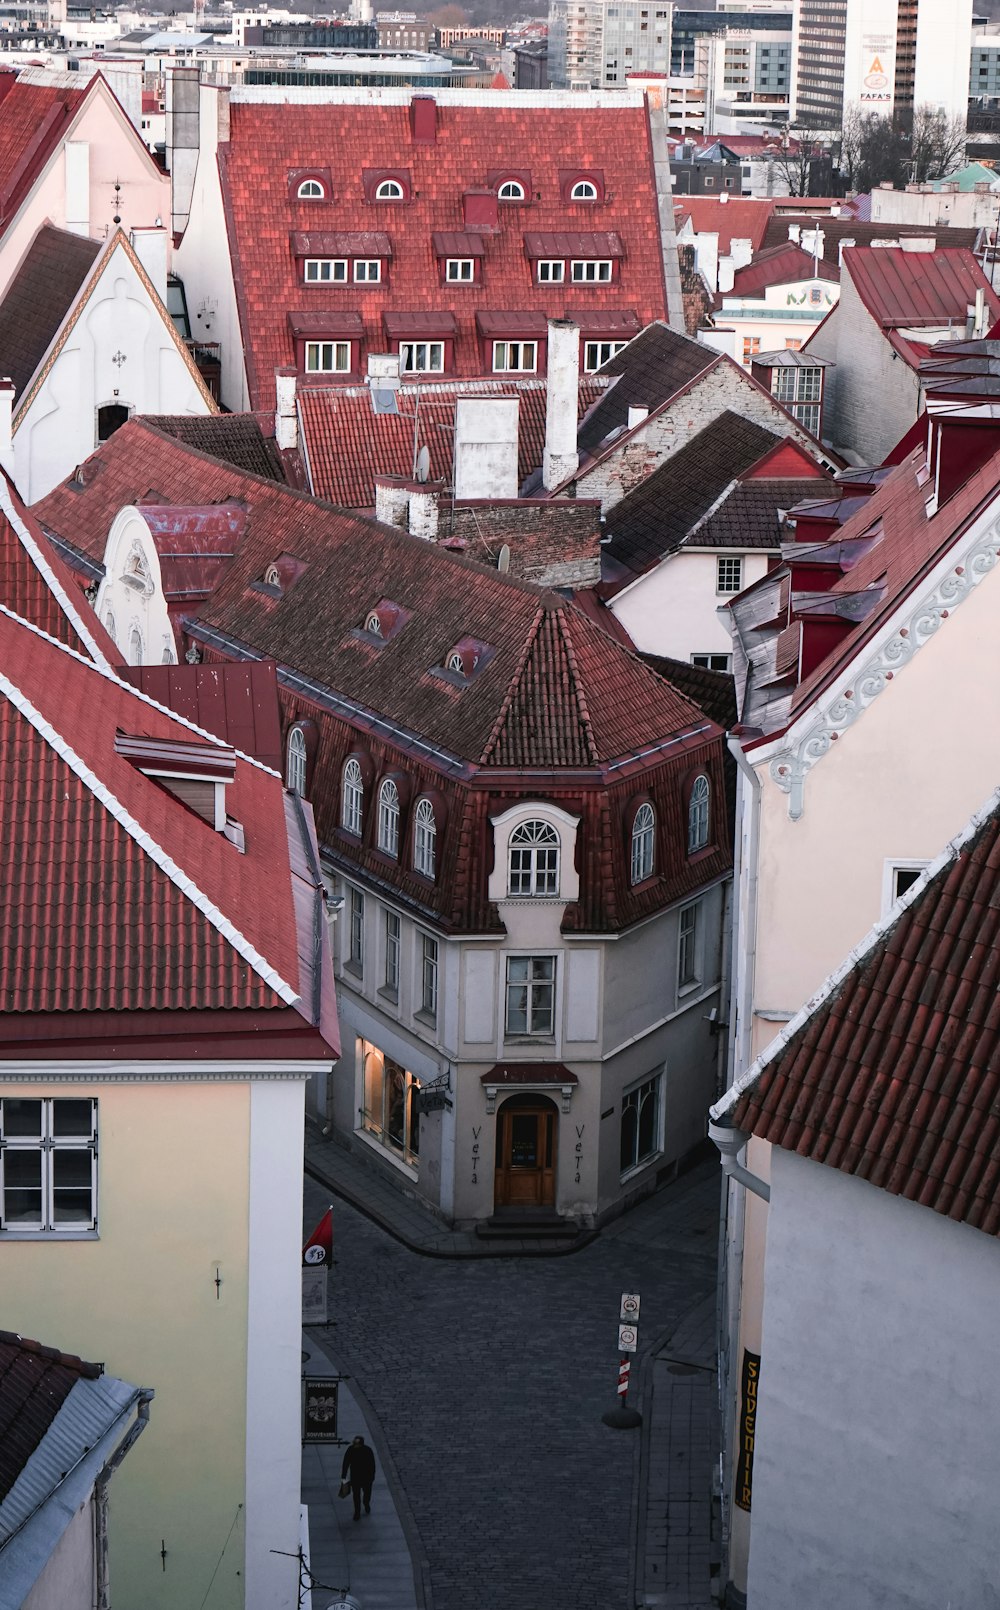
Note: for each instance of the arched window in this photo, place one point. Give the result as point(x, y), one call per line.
point(698, 812)
point(135, 646)
point(456, 663)
point(511, 190)
point(295, 764)
point(352, 799)
point(109, 625)
point(583, 190)
point(424, 839)
point(374, 624)
point(388, 818)
point(389, 190)
point(533, 859)
point(643, 832)
point(310, 190)
point(272, 576)
point(168, 657)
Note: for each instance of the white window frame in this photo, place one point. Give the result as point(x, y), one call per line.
point(311, 190)
point(424, 839)
point(356, 930)
point(511, 190)
point(728, 574)
point(515, 357)
point(325, 270)
point(533, 855)
point(635, 1098)
point(47, 1145)
point(421, 357)
point(892, 865)
point(295, 761)
point(428, 976)
point(352, 798)
point(597, 353)
point(388, 818)
point(539, 1010)
point(689, 947)
point(389, 190)
point(328, 357)
point(393, 946)
point(367, 270)
point(642, 861)
point(705, 661)
point(460, 270)
point(699, 814)
point(551, 271)
point(591, 270)
point(583, 190)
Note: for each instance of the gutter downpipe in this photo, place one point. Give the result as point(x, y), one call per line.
point(733, 1215)
point(102, 1598)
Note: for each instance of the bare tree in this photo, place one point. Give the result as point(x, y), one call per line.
point(794, 166)
point(851, 137)
point(937, 144)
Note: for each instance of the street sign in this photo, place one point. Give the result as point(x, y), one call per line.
point(630, 1307)
point(628, 1338)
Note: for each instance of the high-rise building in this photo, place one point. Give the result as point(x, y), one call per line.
point(887, 56)
point(596, 43)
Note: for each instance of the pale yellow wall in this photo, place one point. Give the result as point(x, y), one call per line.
point(173, 1204)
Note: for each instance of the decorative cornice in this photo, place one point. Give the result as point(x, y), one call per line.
point(791, 766)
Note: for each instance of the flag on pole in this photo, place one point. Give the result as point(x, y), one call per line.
point(317, 1258)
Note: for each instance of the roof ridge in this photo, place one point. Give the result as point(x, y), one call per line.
point(514, 684)
point(38, 559)
point(859, 952)
point(156, 853)
point(578, 690)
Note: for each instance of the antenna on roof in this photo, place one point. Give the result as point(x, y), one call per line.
point(422, 464)
point(503, 558)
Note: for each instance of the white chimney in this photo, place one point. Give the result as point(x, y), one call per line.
point(6, 424)
point(561, 458)
point(486, 447)
point(77, 171)
point(150, 246)
point(286, 419)
point(392, 501)
point(636, 416)
point(794, 233)
point(423, 513)
point(727, 275)
point(741, 252)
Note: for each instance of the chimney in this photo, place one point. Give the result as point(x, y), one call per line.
point(183, 139)
point(423, 120)
point(561, 458)
point(727, 275)
point(77, 176)
point(286, 419)
point(392, 501)
point(486, 433)
point(795, 233)
point(6, 424)
point(480, 210)
point(841, 249)
point(150, 246)
point(741, 252)
point(423, 514)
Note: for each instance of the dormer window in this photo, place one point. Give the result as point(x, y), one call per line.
point(456, 663)
point(515, 357)
point(467, 658)
point(551, 271)
point(295, 765)
point(698, 814)
point(388, 818)
point(533, 860)
point(424, 839)
point(272, 577)
point(325, 270)
point(352, 799)
point(384, 621)
point(421, 357)
point(591, 270)
point(389, 190)
point(460, 270)
point(328, 357)
point(583, 190)
point(586, 186)
point(643, 844)
point(597, 353)
point(367, 271)
point(374, 624)
point(311, 190)
point(511, 190)
point(195, 773)
point(280, 574)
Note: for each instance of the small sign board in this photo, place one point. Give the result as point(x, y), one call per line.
point(628, 1338)
point(746, 1433)
point(629, 1313)
point(314, 1303)
point(320, 1421)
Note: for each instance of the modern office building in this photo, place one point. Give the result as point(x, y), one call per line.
point(887, 56)
point(594, 44)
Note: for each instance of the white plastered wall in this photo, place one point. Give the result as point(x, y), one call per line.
point(136, 604)
point(672, 609)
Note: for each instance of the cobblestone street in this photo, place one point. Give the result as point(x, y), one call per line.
point(487, 1381)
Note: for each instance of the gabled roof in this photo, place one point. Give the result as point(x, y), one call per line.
point(43, 290)
point(860, 232)
point(239, 439)
point(36, 584)
point(910, 289)
point(890, 1072)
point(780, 265)
point(731, 219)
point(346, 444)
point(34, 117)
point(480, 137)
point(656, 365)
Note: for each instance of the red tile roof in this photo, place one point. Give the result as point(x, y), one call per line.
point(731, 220)
point(780, 265)
point(36, 583)
point(891, 1072)
point(34, 117)
point(917, 288)
point(346, 444)
point(267, 141)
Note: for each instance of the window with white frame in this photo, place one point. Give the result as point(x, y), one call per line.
point(352, 801)
point(643, 843)
point(428, 975)
point(328, 357)
point(729, 573)
point(389, 190)
point(551, 271)
point(48, 1163)
point(388, 818)
point(311, 190)
point(583, 190)
point(367, 270)
point(515, 357)
point(713, 662)
point(356, 936)
point(424, 839)
point(533, 860)
point(598, 353)
point(590, 270)
point(421, 357)
point(687, 947)
point(904, 877)
point(698, 814)
point(531, 996)
point(392, 940)
point(640, 1124)
point(295, 761)
point(511, 190)
point(461, 269)
point(325, 270)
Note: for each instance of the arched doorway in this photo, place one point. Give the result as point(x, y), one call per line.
point(525, 1174)
point(109, 419)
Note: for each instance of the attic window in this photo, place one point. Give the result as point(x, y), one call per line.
point(466, 659)
point(374, 624)
point(311, 190)
point(583, 190)
point(511, 190)
point(389, 190)
point(272, 577)
point(384, 621)
point(456, 663)
point(196, 774)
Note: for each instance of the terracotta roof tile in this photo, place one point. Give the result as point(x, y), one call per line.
point(33, 119)
point(742, 219)
point(239, 439)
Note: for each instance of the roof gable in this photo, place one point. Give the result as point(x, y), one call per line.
point(54, 271)
point(36, 584)
point(780, 265)
point(34, 117)
point(647, 373)
point(740, 219)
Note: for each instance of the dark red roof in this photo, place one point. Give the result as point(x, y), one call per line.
point(35, 1382)
point(846, 230)
point(243, 440)
point(36, 584)
point(34, 118)
point(53, 272)
point(893, 1074)
point(780, 265)
point(916, 288)
point(238, 703)
point(743, 219)
point(268, 141)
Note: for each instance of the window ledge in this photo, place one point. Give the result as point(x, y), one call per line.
point(694, 856)
point(691, 988)
point(355, 968)
point(529, 1039)
point(49, 1235)
point(387, 994)
point(429, 1018)
point(637, 1168)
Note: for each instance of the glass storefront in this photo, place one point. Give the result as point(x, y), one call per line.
point(390, 1112)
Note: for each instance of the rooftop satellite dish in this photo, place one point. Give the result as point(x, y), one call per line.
point(423, 464)
point(503, 558)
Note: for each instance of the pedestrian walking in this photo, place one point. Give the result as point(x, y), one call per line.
point(359, 1470)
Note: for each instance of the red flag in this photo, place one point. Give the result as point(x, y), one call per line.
point(318, 1250)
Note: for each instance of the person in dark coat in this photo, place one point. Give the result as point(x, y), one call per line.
point(359, 1470)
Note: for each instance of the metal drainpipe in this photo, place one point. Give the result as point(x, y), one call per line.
point(102, 1600)
point(730, 1142)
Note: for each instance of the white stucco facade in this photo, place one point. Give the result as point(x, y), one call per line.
point(672, 610)
point(878, 1419)
point(785, 316)
point(130, 601)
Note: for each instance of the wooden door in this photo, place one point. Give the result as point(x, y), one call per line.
point(525, 1155)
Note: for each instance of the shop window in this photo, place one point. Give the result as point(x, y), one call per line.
point(48, 1164)
point(390, 1113)
point(640, 1124)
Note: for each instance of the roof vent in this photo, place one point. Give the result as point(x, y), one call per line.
point(195, 773)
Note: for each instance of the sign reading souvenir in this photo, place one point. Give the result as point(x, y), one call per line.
point(320, 1421)
point(317, 1260)
point(745, 1430)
